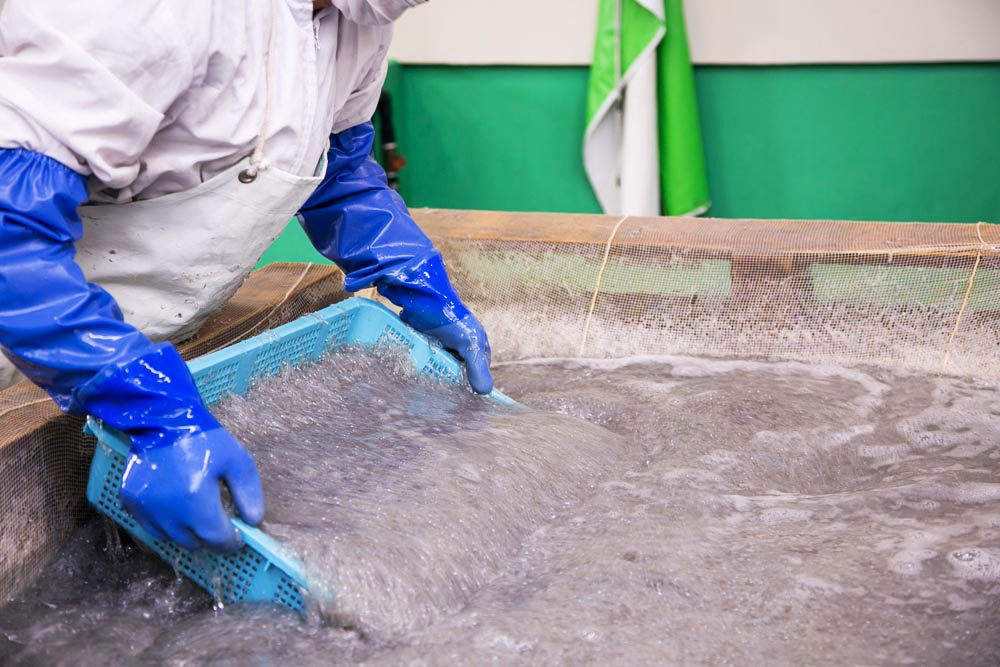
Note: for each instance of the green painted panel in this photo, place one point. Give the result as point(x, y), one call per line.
point(292, 246)
point(888, 142)
point(882, 142)
point(906, 285)
point(499, 138)
point(576, 273)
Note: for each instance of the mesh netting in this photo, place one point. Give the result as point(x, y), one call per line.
point(44, 457)
point(903, 295)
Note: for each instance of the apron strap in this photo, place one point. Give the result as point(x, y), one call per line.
point(258, 160)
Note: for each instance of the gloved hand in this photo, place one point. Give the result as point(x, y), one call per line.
point(180, 452)
point(431, 306)
point(357, 221)
point(69, 337)
point(173, 491)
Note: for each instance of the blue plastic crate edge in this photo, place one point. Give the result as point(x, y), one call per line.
point(119, 446)
point(368, 320)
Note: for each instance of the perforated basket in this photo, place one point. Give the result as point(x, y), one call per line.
point(262, 570)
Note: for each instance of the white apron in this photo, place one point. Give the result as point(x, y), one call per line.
point(173, 261)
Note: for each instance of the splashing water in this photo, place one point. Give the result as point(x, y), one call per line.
point(403, 495)
point(646, 511)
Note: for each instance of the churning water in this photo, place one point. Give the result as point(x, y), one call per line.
point(644, 511)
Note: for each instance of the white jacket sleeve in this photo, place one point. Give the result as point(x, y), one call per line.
point(89, 83)
point(360, 105)
point(374, 12)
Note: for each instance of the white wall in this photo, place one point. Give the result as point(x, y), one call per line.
point(560, 32)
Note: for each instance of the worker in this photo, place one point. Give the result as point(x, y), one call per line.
point(149, 153)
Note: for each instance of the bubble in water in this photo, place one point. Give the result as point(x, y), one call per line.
point(976, 564)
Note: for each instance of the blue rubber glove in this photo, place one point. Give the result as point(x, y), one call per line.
point(355, 219)
point(180, 453)
point(69, 337)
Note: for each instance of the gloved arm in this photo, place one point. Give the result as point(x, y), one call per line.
point(69, 337)
point(357, 221)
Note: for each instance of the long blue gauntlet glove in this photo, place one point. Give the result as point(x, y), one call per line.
point(360, 223)
point(430, 305)
point(54, 326)
point(68, 337)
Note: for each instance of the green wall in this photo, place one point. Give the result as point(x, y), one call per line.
point(497, 138)
point(876, 142)
point(899, 142)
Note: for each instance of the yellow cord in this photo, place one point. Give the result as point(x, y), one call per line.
point(965, 301)
point(597, 285)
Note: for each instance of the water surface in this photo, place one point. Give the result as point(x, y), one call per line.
point(644, 511)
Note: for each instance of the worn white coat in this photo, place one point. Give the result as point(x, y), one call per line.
point(153, 98)
point(161, 104)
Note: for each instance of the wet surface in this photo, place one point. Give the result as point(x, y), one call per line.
point(646, 511)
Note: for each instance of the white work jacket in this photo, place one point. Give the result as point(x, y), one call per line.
point(154, 98)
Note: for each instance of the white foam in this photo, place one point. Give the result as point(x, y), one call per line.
point(700, 367)
point(910, 562)
point(976, 564)
point(883, 455)
point(778, 515)
point(966, 493)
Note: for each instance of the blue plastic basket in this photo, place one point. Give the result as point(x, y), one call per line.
point(262, 570)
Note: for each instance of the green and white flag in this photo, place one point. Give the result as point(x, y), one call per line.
point(642, 148)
